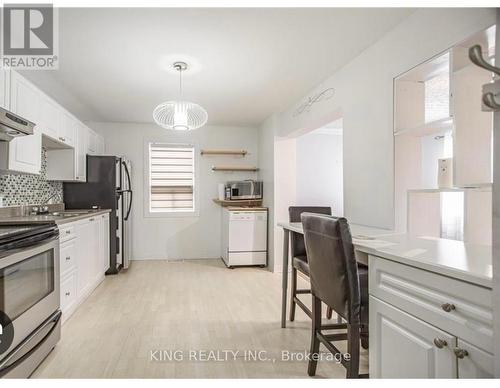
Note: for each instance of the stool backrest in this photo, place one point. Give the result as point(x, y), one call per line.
point(332, 264)
point(297, 240)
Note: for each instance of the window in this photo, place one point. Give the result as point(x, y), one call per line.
point(171, 178)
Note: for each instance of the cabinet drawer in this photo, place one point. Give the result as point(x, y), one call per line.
point(452, 305)
point(477, 364)
point(67, 233)
point(67, 255)
point(68, 292)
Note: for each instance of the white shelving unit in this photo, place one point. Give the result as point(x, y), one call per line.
point(437, 114)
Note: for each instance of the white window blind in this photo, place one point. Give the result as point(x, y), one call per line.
point(171, 178)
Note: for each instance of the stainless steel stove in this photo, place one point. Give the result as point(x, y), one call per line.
point(29, 296)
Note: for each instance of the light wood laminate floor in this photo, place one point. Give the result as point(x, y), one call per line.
point(189, 305)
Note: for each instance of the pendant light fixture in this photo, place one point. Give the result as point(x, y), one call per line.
point(180, 115)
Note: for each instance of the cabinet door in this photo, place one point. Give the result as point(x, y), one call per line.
point(100, 145)
point(92, 146)
point(86, 252)
point(25, 153)
point(50, 120)
point(81, 153)
point(67, 130)
point(476, 364)
point(95, 249)
point(4, 89)
point(104, 239)
point(402, 346)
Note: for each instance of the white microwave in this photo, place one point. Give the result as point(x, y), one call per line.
point(248, 189)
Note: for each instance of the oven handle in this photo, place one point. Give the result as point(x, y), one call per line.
point(6, 367)
point(41, 240)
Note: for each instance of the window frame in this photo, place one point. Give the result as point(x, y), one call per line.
point(147, 186)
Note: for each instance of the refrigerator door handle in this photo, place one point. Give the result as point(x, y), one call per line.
point(129, 190)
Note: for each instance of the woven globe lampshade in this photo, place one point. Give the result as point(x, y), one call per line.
point(180, 115)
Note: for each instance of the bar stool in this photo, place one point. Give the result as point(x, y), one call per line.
point(339, 282)
point(299, 257)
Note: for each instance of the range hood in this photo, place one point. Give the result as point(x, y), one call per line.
point(12, 125)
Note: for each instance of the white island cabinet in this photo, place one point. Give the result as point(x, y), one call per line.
point(84, 257)
point(426, 324)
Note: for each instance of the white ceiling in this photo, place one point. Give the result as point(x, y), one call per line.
point(248, 63)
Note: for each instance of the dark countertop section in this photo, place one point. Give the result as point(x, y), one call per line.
point(58, 218)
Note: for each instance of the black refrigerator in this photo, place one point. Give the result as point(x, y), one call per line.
point(108, 186)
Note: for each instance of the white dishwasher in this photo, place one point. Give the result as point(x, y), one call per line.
point(244, 237)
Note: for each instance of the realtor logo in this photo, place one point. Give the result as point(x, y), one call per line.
point(29, 36)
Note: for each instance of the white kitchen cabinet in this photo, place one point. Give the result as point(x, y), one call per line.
point(83, 244)
point(25, 152)
point(91, 142)
point(67, 133)
point(425, 324)
point(476, 363)
point(81, 153)
point(104, 242)
point(50, 122)
point(69, 294)
point(88, 248)
point(4, 88)
point(100, 148)
point(402, 346)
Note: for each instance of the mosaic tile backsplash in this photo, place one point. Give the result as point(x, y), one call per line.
point(27, 189)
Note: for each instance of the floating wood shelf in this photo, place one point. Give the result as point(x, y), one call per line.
point(235, 168)
point(238, 202)
point(224, 152)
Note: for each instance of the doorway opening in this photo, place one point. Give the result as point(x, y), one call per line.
point(319, 168)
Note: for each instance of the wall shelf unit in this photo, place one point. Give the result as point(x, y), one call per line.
point(224, 152)
point(235, 168)
point(437, 115)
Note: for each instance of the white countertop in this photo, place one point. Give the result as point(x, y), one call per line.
point(468, 262)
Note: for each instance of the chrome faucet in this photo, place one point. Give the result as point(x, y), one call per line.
point(43, 208)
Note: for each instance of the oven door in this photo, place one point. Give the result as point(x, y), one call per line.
point(29, 287)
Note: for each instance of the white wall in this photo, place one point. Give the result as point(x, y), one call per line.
point(364, 98)
point(284, 190)
point(179, 237)
point(319, 171)
point(266, 175)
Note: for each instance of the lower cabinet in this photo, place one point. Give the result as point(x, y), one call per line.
point(426, 325)
point(84, 248)
point(406, 346)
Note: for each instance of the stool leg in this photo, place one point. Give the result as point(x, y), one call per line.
point(315, 327)
point(293, 293)
point(353, 350)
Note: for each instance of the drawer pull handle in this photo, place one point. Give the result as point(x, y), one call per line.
point(68, 232)
point(448, 307)
point(440, 343)
point(460, 353)
point(68, 258)
point(68, 293)
point(91, 219)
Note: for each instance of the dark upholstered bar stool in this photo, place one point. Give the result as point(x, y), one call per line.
point(338, 281)
point(299, 257)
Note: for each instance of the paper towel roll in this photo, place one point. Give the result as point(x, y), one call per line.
point(222, 191)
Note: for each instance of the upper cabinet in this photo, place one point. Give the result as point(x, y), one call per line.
point(25, 152)
point(4, 88)
point(66, 139)
point(443, 146)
